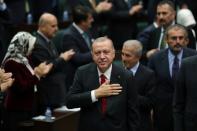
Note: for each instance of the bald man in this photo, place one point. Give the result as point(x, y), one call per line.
point(144, 80)
point(51, 89)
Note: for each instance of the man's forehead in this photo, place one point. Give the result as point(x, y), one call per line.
point(176, 31)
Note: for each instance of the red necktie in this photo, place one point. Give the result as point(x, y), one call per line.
point(103, 99)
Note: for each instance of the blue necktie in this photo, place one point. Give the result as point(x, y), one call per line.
point(175, 67)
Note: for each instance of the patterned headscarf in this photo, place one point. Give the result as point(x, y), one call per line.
point(20, 47)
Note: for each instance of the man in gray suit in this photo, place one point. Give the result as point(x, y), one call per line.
point(110, 106)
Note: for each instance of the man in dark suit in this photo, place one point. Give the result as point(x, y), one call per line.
point(110, 106)
point(144, 81)
point(166, 16)
point(152, 5)
point(101, 9)
point(123, 21)
point(77, 37)
point(51, 89)
point(166, 64)
point(185, 106)
point(144, 37)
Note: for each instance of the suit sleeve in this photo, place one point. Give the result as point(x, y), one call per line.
point(40, 55)
point(179, 100)
point(80, 58)
point(78, 97)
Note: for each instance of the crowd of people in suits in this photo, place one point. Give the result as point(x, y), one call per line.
point(153, 89)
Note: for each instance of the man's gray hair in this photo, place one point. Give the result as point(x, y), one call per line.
point(136, 44)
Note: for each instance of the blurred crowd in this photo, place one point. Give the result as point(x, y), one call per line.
point(38, 68)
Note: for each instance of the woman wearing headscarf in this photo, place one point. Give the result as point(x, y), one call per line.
point(19, 97)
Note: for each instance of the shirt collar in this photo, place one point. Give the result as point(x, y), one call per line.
point(134, 68)
point(107, 73)
point(179, 55)
point(155, 24)
point(78, 28)
point(39, 32)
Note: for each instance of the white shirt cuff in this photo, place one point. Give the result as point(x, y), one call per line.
point(94, 99)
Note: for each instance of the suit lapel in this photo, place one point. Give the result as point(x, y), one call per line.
point(165, 64)
point(80, 38)
point(44, 43)
point(186, 53)
point(115, 79)
point(94, 83)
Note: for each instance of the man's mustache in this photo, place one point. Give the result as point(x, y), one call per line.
point(178, 45)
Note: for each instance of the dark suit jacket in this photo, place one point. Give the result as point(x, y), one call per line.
point(185, 106)
point(144, 38)
point(52, 89)
point(98, 27)
point(144, 82)
point(164, 90)
point(39, 7)
point(5, 35)
point(17, 10)
point(121, 114)
point(153, 41)
point(122, 26)
point(72, 39)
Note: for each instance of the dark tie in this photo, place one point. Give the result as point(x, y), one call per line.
point(87, 39)
point(52, 48)
point(163, 43)
point(103, 99)
point(175, 67)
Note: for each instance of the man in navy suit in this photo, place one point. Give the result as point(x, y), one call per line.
point(78, 38)
point(110, 106)
point(144, 81)
point(166, 63)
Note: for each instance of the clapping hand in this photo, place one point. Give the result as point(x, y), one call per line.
point(42, 69)
point(67, 55)
point(6, 80)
